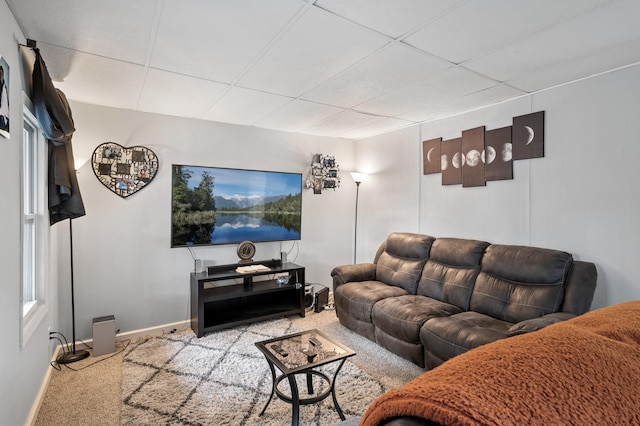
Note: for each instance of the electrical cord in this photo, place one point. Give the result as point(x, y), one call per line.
point(297, 246)
point(54, 364)
point(64, 344)
point(127, 342)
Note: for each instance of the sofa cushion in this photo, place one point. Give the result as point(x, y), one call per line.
point(402, 316)
point(356, 299)
point(535, 324)
point(447, 337)
point(451, 270)
point(401, 262)
point(518, 283)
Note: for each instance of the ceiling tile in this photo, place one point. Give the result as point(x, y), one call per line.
point(315, 48)
point(383, 126)
point(94, 79)
point(88, 25)
point(563, 42)
point(479, 99)
point(297, 115)
point(217, 40)
point(342, 123)
point(391, 17)
point(244, 106)
point(386, 70)
point(619, 56)
point(180, 95)
point(480, 27)
point(454, 83)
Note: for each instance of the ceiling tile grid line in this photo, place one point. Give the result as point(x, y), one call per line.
point(153, 33)
point(503, 25)
point(328, 67)
point(406, 8)
point(261, 54)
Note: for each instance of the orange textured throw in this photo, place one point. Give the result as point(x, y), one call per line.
point(585, 371)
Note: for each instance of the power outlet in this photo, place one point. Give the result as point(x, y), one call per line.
point(51, 341)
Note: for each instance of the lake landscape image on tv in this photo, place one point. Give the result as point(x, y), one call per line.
point(212, 205)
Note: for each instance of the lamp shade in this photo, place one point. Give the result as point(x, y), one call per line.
point(358, 177)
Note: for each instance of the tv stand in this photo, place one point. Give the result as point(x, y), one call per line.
point(223, 305)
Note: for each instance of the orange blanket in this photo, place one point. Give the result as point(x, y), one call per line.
point(585, 371)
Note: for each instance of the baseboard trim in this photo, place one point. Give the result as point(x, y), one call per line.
point(154, 331)
point(159, 330)
point(35, 408)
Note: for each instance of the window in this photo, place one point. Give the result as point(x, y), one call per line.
point(34, 232)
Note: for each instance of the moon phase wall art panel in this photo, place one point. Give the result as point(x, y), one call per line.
point(528, 136)
point(452, 160)
point(472, 165)
point(498, 161)
point(431, 157)
point(482, 155)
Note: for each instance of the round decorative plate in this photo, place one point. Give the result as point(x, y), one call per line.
point(246, 250)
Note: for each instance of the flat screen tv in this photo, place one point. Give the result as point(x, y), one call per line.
point(213, 205)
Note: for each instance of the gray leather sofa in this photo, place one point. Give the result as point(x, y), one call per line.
point(429, 299)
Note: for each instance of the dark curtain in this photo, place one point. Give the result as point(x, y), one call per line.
point(54, 115)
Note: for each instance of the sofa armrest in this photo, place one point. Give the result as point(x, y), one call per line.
point(350, 273)
point(535, 324)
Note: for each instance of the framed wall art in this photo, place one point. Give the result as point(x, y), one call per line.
point(528, 136)
point(4, 98)
point(497, 156)
point(452, 161)
point(124, 171)
point(431, 157)
point(472, 149)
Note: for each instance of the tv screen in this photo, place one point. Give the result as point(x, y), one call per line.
point(212, 205)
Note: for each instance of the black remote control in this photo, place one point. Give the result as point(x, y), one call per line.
point(279, 350)
point(310, 354)
point(314, 341)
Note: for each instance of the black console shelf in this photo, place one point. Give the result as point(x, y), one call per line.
point(223, 306)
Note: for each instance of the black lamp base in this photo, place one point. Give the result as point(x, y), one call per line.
point(71, 357)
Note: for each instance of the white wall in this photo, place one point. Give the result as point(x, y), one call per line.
point(123, 263)
point(582, 197)
point(388, 199)
point(23, 368)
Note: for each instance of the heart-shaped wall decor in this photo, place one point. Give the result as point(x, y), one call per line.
point(124, 171)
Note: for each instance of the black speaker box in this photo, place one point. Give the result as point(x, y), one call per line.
point(321, 299)
point(308, 297)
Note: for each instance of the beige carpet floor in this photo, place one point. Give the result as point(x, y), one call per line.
point(88, 392)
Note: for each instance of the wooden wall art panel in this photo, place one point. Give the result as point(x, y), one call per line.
point(498, 161)
point(472, 150)
point(452, 162)
point(431, 152)
point(528, 136)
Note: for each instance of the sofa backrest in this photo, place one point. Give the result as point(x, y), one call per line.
point(516, 283)
point(450, 272)
point(402, 258)
point(580, 288)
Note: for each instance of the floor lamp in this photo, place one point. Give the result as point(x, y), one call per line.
point(358, 178)
point(74, 355)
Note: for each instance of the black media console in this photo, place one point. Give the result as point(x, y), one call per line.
point(249, 299)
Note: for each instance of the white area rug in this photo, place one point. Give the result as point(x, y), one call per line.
point(222, 379)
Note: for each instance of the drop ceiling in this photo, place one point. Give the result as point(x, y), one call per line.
point(340, 68)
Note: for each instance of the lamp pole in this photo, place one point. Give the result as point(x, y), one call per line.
point(355, 236)
point(74, 355)
point(358, 178)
